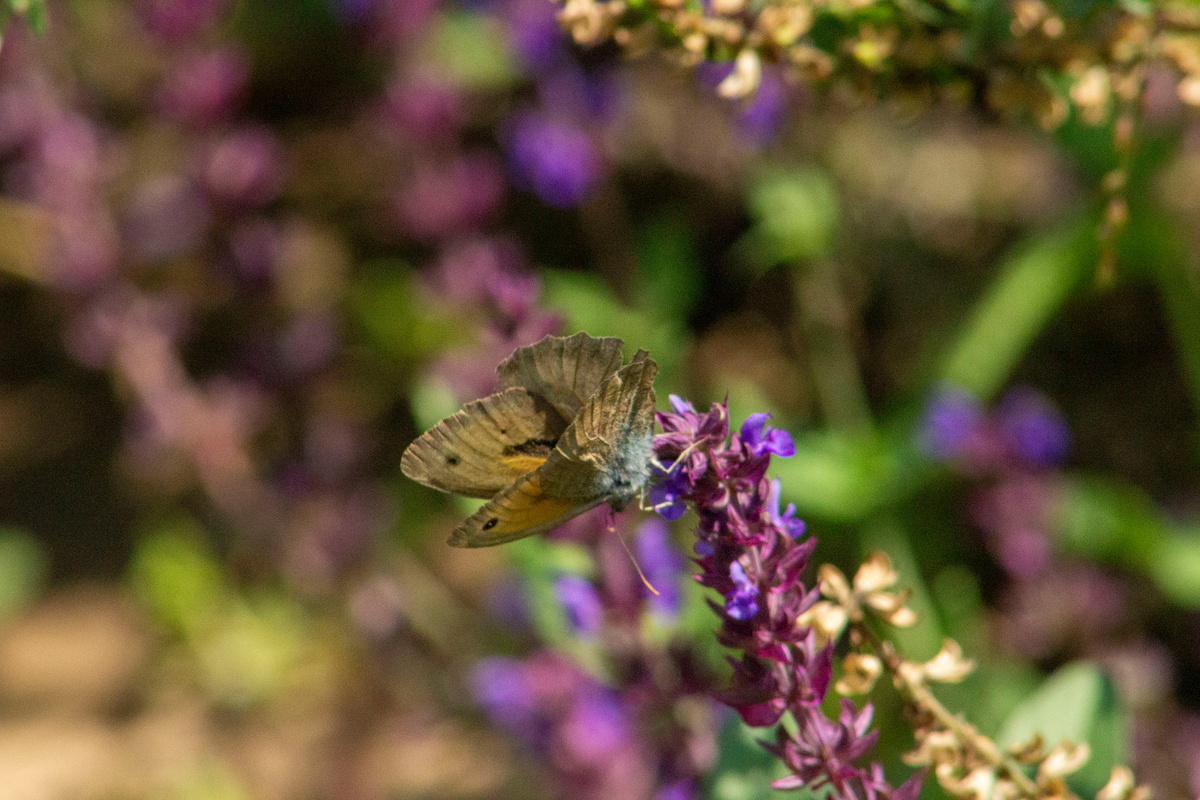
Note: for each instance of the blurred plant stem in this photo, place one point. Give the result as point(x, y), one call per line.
point(610, 236)
point(821, 328)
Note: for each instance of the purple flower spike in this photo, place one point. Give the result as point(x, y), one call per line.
point(680, 405)
point(754, 555)
point(579, 599)
point(761, 438)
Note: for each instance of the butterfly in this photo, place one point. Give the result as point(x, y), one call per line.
point(570, 429)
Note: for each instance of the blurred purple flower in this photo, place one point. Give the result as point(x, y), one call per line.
point(761, 118)
point(578, 598)
point(166, 217)
point(26, 108)
point(761, 438)
point(534, 34)
point(663, 566)
point(175, 20)
point(425, 107)
point(596, 726)
point(501, 687)
point(87, 250)
point(244, 169)
point(68, 164)
point(679, 790)
point(307, 344)
point(377, 607)
point(552, 158)
point(254, 246)
point(445, 199)
point(951, 418)
point(573, 93)
point(204, 88)
point(1035, 432)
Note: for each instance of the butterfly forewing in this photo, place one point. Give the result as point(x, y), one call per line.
point(487, 445)
point(566, 371)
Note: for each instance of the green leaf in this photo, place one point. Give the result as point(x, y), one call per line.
point(587, 305)
point(668, 266)
point(1032, 286)
point(22, 570)
point(398, 319)
point(175, 575)
point(1108, 521)
point(795, 216)
point(469, 49)
point(1173, 271)
point(846, 477)
point(1175, 567)
point(1076, 703)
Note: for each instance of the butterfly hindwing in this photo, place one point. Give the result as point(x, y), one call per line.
point(518, 511)
point(566, 370)
point(487, 445)
point(605, 451)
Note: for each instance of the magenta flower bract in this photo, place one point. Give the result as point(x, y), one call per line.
point(754, 556)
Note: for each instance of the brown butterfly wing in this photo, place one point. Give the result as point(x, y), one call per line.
point(520, 510)
point(604, 456)
point(486, 446)
point(605, 451)
point(566, 370)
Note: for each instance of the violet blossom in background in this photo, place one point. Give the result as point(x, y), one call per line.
point(753, 556)
point(587, 732)
point(1013, 448)
point(951, 418)
point(555, 159)
point(534, 35)
point(1032, 428)
point(761, 118)
point(175, 20)
point(579, 600)
point(204, 88)
point(450, 198)
point(425, 107)
point(244, 169)
point(663, 566)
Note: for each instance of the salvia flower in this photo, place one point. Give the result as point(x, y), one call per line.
point(761, 438)
point(753, 555)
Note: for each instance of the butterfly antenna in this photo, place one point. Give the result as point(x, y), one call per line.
point(678, 459)
point(612, 528)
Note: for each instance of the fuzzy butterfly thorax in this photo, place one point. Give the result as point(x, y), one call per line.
point(570, 429)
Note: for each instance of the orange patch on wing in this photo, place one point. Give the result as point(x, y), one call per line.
point(522, 463)
point(529, 509)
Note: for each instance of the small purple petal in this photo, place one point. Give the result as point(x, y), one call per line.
point(680, 405)
point(579, 599)
point(950, 419)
